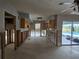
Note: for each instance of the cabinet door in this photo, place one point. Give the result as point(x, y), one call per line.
point(52, 23)
point(22, 23)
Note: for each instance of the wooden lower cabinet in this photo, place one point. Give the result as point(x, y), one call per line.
point(24, 35)
point(20, 38)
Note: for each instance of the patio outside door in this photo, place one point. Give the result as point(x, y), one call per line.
point(70, 33)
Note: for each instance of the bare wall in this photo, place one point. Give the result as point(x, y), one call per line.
point(6, 6)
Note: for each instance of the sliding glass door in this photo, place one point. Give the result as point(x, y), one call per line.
point(66, 33)
point(75, 33)
point(70, 33)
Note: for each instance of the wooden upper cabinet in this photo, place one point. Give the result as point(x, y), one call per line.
point(22, 23)
point(44, 25)
point(52, 23)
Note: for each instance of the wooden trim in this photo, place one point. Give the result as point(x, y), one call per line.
point(2, 36)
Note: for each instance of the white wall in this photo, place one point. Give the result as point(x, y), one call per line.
point(1, 21)
point(60, 20)
point(6, 6)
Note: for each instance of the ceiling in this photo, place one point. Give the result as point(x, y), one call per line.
point(40, 7)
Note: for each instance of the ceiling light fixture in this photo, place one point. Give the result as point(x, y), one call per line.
point(74, 9)
point(74, 13)
point(77, 3)
point(67, 3)
point(62, 3)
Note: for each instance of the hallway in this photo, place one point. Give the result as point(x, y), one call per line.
point(32, 29)
point(37, 48)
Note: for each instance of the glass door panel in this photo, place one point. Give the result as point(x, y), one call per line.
point(37, 33)
point(75, 33)
point(32, 33)
point(66, 32)
point(37, 29)
point(43, 32)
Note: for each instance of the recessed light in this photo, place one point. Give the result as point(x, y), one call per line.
point(74, 12)
point(67, 3)
point(63, 3)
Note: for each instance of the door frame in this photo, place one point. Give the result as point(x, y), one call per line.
point(14, 22)
point(71, 33)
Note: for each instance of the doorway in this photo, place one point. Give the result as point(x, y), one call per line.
point(10, 27)
point(7, 37)
point(70, 33)
point(36, 31)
